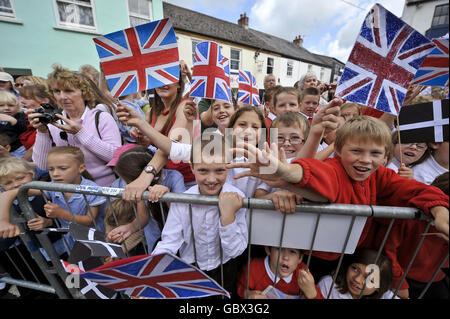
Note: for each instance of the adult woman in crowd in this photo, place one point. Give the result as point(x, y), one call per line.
point(76, 126)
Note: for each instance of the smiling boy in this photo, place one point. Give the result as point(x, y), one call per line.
point(355, 176)
point(211, 235)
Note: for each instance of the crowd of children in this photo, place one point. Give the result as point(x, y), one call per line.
point(320, 148)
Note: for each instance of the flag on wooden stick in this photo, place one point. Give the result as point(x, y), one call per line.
point(384, 60)
point(426, 122)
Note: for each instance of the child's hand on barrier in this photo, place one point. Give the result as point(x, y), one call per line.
point(285, 201)
point(405, 172)
point(39, 222)
point(306, 284)
point(440, 214)
point(403, 293)
point(8, 230)
point(156, 192)
point(229, 204)
point(55, 211)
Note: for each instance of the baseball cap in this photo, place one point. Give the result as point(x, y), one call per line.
point(6, 77)
point(119, 151)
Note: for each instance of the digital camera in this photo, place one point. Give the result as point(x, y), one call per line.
point(49, 112)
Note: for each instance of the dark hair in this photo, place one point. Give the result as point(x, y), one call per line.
point(309, 91)
point(366, 256)
point(158, 106)
point(130, 166)
point(441, 182)
point(424, 156)
point(5, 140)
point(250, 108)
point(270, 92)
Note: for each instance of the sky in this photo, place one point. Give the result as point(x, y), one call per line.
point(328, 27)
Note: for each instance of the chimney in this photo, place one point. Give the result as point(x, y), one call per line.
point(298, 41)
point(243, 21)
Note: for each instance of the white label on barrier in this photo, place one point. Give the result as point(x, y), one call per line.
point(299, 230)
point(87, 188)
point(110, 191)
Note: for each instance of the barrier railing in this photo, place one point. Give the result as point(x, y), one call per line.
point(355, 217)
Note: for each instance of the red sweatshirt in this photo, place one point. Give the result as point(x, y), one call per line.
point(384, 187)
point(400, 247)
point(260, 280)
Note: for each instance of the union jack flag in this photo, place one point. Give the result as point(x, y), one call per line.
point(211, 73)
point(386, 55)
point(248, 89)
point(139, 58)
point(434, 69)
point(158, 276)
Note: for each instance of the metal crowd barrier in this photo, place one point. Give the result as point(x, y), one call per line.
point(319, 210)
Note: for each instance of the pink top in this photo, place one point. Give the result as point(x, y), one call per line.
point(97, 152)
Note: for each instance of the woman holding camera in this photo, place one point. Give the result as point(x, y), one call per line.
point(77, 125)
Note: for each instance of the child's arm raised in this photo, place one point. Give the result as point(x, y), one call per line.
point(325, 120)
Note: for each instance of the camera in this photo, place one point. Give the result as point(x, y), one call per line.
point(49, 112)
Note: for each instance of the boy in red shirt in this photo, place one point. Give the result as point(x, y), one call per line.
point(289, 277)
point(355, 175)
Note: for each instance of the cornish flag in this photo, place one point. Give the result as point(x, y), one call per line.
point(211, 73)
point(139, 58)
point(248, 89)
point(384, 60)
point(434, 69)
point(159, 276)
point(426, 122)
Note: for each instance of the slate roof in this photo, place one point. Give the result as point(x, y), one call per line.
point(192, 21)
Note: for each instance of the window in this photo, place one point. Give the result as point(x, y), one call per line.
point(289, 68)
point(75, 14)
point(6, 9)
point(140, 12)
point(322, 73)
point(440, 15)
point(235, 59)
point(270, 65)
point(309, 67)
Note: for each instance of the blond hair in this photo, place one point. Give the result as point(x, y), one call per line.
point(120, 212)
point(349, 105)
point(13, 165)
point(365, 129)
point(63, 78)
point(8, 97)
point(75, 152)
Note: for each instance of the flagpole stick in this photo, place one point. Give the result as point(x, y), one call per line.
point(399, 141)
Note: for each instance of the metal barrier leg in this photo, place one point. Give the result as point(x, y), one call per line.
point(248, 255)
point(313, 240)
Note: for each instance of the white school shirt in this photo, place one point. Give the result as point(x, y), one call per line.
point(209, 233)
point(325, 284)
point(427, 171)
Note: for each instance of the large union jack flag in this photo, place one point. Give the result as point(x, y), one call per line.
point(211, 73)
point(248, 89)
point(139, 58)
point(434, 69)
point(385, 58)
point(154, 276)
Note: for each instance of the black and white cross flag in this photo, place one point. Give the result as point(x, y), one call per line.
point(425, 122)
point(89, 288)
point(83, 249)
point(80, 232)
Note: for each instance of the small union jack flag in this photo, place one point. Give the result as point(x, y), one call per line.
point(386, 55)
point(139, 58)
point(434, 69)
point(158, 276)
point(248, 89)
point(211, 73)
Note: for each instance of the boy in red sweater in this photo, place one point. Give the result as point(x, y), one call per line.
point(355, 175)
point(289, 277)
